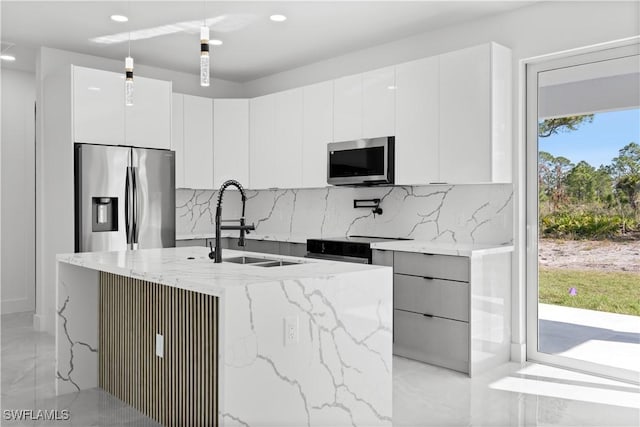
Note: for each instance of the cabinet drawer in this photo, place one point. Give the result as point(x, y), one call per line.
point(428, 265)
point(437, 297)
point(263, 246)
point(190, 242)
point(382, 257)
point(433, 340)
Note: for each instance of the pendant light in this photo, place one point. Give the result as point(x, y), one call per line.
point(204, 50)
point(128, 70)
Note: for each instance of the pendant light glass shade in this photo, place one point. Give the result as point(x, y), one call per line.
point(204, 56)
point(128, 83)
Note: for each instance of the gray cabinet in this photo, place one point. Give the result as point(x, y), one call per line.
point(263, 246)
point(293, 249)
point(435, 340)
point(431, 297)
point(431, 308)
point(382, 257)
point(190, 242)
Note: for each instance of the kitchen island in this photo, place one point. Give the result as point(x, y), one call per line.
point(293, 341)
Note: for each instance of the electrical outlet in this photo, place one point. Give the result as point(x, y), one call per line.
point(291, 330)
point(159, 345)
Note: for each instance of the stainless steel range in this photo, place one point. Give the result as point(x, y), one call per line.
point(349, 249)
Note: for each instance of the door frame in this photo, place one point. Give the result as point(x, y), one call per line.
point(532, 67)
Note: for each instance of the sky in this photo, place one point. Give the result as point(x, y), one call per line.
point(597, 142)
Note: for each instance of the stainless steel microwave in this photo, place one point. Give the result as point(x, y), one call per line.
point(361, 162)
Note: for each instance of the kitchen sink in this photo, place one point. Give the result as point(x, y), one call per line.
point(260, 262)
point(246, 260)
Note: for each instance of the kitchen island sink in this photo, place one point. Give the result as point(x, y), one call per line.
point(191, 342)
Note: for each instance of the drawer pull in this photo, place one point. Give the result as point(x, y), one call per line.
point(427, 254)
point(428, 315)
point(428, 278)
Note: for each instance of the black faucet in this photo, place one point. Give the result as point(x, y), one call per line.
point(216, 254)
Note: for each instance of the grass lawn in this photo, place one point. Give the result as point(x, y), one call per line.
point(615, 292)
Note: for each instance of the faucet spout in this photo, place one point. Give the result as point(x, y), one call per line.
point(216, 254)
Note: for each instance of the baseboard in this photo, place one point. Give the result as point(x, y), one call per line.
point(519, 352)
point(38, 322)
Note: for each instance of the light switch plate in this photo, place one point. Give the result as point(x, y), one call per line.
point(159, 345)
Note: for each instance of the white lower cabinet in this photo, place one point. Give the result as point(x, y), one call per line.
point(230, 141)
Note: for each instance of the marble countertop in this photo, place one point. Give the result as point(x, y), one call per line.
point(171, 266)
point(428, 247)
point(291, 238)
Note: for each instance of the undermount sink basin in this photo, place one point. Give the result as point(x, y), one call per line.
point(260, 262)
point(245, 260)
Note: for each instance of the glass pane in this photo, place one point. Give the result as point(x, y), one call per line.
point(589, 213)
point(357, 162)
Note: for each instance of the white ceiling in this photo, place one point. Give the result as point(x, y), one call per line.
point(253, 46)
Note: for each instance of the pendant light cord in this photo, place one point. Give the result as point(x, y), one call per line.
point(129, 24)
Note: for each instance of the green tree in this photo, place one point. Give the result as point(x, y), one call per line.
point(581, 183)
point(626, 169)
point(552, 174)
point(550, 127)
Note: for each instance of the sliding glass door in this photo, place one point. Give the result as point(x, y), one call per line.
point(583, 212)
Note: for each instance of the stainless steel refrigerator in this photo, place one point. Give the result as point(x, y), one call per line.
point(124, 198)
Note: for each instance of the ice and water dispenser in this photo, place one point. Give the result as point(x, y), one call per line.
point(104, 214)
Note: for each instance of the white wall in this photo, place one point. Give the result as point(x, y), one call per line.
point(17, 289)
point(531, 31)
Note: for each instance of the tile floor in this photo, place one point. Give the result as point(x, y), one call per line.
point(423, 395)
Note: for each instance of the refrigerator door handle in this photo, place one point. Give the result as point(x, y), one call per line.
point(135, 215)
point(129, 205)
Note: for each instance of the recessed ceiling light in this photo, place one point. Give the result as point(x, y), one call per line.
point(215, 42)
point(7, 57)
point(278, 18)
point(119, 18)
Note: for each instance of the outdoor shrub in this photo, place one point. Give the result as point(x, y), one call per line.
point(584, 225)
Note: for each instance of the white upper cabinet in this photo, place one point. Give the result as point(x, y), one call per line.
point(378, 103)
point(417, 122)
point(285, 156)
point(475, 92)
point(347, 108)
point(198, 142)
point(98, 101)
point(317, 132)
point(364, 105)
point(275, 143)
point(177, 136)
point(230, 141)
point(101, 117)
point(262, 123)
point(148, 120)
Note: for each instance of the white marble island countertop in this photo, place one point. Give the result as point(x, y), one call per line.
point(174, 267)
point(338, 372)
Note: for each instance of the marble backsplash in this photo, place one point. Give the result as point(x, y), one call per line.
point(474, 213)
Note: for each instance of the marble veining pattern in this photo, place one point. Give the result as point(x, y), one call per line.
point(478, 213)
point(339, 372)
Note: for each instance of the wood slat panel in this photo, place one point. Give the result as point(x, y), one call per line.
point(178, 389)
